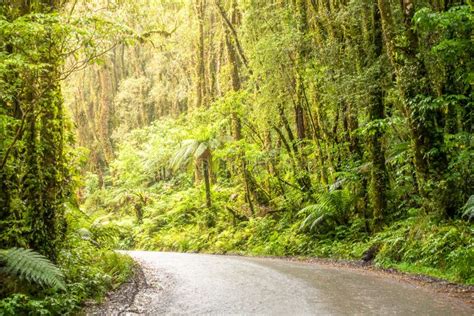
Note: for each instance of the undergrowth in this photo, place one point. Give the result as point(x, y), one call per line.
point(178, 222)
point(155, 205)
point(445, 251)
point(90, 268)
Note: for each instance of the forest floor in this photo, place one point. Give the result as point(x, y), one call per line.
point(177, 283)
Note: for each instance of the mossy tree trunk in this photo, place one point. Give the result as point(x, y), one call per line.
point(35, 170)
point(429, 158)
point(378, 174)
point(206, 161)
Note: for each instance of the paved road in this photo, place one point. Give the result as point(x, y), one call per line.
point(195, 284)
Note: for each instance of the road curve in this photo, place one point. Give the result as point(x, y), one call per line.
point(194, 284)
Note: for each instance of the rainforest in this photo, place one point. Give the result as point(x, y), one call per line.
point(335, 129)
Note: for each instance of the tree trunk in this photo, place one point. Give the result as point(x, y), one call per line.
point(36, 173)
point(300, 59)
point(200, 8)
point(378, 174)
point(207, 180)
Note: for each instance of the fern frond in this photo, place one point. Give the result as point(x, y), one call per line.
point(183, 155)
point(317, 221)
point(468, 208)
point(31, 266)
point(200, 150)
point(332, 206)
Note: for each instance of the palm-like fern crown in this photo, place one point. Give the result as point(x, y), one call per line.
point(332, 205)
point(30, 266)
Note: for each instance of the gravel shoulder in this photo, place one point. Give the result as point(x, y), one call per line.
point(122, 300)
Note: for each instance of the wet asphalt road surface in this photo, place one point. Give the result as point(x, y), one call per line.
point(196, 284)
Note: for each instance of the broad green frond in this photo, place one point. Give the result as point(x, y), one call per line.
point(31, 266)
point(332, 206)
point(185, 152)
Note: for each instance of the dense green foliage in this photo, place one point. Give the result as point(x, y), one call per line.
point(38, 169)
point(264, 127)
point(173, 214)
point(89, 266)
point(292, 128)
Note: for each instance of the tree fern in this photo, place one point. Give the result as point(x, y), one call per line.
point(332, 208)
point(29, 265)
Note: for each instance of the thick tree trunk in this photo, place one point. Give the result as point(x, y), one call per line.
point(378, 174)
point(300, 59)
point(37, 183)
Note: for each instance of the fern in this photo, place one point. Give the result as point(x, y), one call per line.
point(183, 155)
point(29, 265)
point(332, 208)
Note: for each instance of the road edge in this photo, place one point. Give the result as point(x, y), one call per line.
point(123, 296)
point(454, 290)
